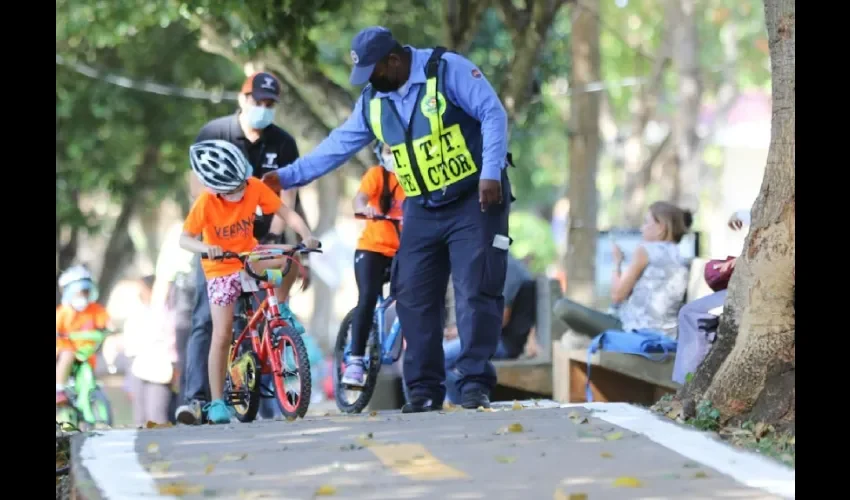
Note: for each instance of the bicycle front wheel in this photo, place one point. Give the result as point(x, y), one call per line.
point(293, 385)
point(348, 399)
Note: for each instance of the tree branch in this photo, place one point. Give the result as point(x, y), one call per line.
point(309, 110)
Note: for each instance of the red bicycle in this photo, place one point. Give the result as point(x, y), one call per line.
point(278, 350)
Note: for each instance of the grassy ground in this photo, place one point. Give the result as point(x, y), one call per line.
point(754, 436)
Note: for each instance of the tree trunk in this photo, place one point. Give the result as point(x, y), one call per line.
point(461, 19)
point(750, 371)
point(583, 149)
point(120, 249)
point(638, 165)
point(688, 97)
point(529, 28)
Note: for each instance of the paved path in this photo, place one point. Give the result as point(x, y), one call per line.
point(607, 450)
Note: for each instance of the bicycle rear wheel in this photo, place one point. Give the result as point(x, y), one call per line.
point(363, 395)
point(293, 386)
point(242, 386)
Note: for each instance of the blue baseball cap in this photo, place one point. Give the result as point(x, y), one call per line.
point(367, 48)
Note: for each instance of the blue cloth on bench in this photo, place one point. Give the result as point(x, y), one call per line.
point(651, 344)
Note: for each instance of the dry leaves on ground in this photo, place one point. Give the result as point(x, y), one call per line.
point(627, 482)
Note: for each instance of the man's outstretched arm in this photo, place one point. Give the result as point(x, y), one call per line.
point(342, 143)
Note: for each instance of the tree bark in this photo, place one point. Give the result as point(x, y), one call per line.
point(461, 19)
point(688, 98)
point(750, 371)
point(583, 154)
point(529, 28)
point(120, 249)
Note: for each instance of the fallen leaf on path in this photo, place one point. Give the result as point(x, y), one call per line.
point(153, 448)
point(481, 408)
point(605, 454)
point(290, 419)
point(613, 436)
point(180, 489)
point(588, 437)
point(209, 468)
point(373, 414)
point(560, 495)
point(159, 467)
point(154, 425)
point(690, 465)
point(577, 418)
point(700, 475)
point(627, 482)
point(325, 490)
point(516, 406)
point(505, 460)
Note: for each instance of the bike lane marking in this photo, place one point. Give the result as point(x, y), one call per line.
point(113, 464)
point(745, 467)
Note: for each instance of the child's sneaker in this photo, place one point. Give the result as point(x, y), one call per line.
point(191, 413)
point(286, 314)
point(355, 373)
point(217, 412)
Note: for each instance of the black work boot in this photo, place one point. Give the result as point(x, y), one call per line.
point(419, 404)
point(473, 399)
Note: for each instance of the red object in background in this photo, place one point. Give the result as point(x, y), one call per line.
point(329, 380)
point(717, 280)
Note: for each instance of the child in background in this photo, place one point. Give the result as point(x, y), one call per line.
point(78, 313)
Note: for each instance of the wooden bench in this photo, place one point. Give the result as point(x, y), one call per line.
point(617, 377)
point(614, 377)
point(534, 375)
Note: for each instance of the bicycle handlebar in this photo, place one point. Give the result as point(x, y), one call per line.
point(265, 254)
point(376, 217)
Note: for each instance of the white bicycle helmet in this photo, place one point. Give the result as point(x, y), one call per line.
point(74, 273)
point(219, 165)
point(74, 280)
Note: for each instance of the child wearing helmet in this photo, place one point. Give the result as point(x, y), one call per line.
point(78, 313)
point(224, 216)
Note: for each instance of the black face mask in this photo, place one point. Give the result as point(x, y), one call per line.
point(384, 84)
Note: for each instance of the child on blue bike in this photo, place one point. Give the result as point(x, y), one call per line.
point(379, 194)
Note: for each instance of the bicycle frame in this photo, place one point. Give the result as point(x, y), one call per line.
point(84, 384)
point(386, 339)
point(261, 343)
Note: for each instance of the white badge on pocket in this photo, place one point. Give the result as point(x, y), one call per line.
point(249, 284)
point(258, 211)
point(501, 242)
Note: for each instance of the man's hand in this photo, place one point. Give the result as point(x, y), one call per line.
point(726, 266)
point(489, 193)
point(272, 180)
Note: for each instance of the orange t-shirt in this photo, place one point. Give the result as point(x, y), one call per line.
point(230, 224)
point(380, 235)
point(69, 320)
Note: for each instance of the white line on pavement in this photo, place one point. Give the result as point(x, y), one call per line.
point(114, 467)
point(745, 467)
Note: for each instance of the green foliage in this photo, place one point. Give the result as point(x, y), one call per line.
point(707, 417)
point(532, 238)
point(104, 131)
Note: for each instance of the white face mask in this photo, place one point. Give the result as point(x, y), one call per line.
point(388, 162)
point(79, 303)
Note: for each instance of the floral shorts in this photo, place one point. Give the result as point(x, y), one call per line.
point(224, 290)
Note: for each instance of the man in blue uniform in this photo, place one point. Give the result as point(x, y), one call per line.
point(448, 133)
